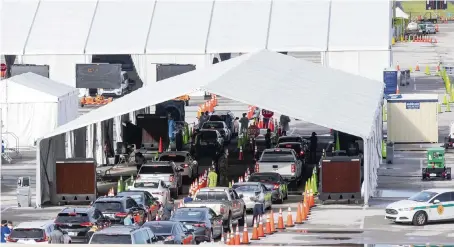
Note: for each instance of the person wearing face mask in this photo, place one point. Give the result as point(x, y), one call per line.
point(128, 220)
point(5, 231)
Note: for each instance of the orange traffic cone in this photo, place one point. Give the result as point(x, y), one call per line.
point(245, 239)
point(417, 66)
point(228, 238)
point(299, 217)
point(280, 221)
point(232, 237)
point(268, 226)
point(304, 211)
point(160, 148)
point(240, 156)
point(255, 234)
point(260, 232)
point(289, 218)
point(311, 199)
point(307, 208)
point(237, 236)
point(273, 227)
point(398, 66)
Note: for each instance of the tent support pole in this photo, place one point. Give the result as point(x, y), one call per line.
point(38, 175)
point(366, 171)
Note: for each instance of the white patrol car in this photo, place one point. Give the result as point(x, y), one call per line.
point(427, 205)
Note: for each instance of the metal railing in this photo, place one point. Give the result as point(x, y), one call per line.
point(15, 149)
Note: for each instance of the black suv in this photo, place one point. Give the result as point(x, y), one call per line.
point(116, 208)
point(208, 143)
point(78, 221)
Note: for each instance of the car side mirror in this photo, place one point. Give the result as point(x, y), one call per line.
point(240, 196)
point(436, 201)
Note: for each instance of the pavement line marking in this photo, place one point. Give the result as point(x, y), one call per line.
point(3, 210)
point(361, 226)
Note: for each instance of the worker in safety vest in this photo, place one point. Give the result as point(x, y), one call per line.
point(212, 177)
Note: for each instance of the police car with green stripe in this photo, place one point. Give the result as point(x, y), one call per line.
point(427, 205)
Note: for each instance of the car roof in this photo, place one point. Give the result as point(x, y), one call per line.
point(34, 224)
point(221, 112)
point(276, 149)
point(159, 163)
point(248, 183)
point(214, 189)
point(112, 198)
point(194, 208)
point(214, 122)
point(289, 143)
point(440, 190)
point(184, 153)
point(164, 222)
point(208, 130)
point(125, 193)
point(118, 229)
point(76, 210)
point(144, 180)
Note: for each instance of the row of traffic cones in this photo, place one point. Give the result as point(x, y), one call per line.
point(241, 179)
point(208, 106)
point(198, 183)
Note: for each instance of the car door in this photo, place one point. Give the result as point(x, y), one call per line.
point(234, 201)
point(152, 208)
point(439, 211)
point(131, 205)
point(166, 192)
point(449, 209)
point(299, 164)
point(182, 234)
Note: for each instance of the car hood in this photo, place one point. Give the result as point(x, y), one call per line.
point(405, 204)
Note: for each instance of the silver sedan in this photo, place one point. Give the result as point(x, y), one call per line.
point(251, 190)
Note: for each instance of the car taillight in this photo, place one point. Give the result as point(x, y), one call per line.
point(121, 214)
point(169, 238)
point(222, 210)
point(185, 165)
point(302, 153)
point(86, 224)
point(257, 169)
point(293, 168)
point(9, 239)
point(200, 225)
point(44, 239)
point(171, 179)
point(276, 186)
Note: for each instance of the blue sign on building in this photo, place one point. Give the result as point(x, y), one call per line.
point(413, 105)
point(390, 81)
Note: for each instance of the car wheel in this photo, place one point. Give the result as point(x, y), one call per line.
point(420, 218)
point(243, 218)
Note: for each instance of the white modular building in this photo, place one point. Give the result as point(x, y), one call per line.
point(32, 106)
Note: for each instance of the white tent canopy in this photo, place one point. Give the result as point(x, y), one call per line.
point(401, 14)
point(198, 27)
point(33, 105)
point(312, 93)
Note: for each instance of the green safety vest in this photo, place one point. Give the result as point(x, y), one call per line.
point(212, 179)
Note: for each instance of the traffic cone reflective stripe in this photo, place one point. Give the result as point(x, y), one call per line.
point(237, 236)
point(280, 221)
point(289, 218)
point(240, 156)
point(260, 232)
point(268, 226)
point(299, 216)
point(255, 234)
point(273, 227)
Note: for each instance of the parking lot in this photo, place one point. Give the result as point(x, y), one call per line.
point(330, 224)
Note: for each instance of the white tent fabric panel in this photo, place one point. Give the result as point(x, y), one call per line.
point(61, 27)
point(239, 26)
point(179, 27)
point(353, 27)
point(62, 67)
point(15, 93)
point(293, 20)
point(16, 18)
point(401, 14)
point(124, 24)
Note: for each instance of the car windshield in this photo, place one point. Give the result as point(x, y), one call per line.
point(188, 215)
point(108, 206)
point(217, 117)
point(296, 146)
point(263, 178)
point(213, 125)
point(422, 196)
point(245, 187)
point(161, 228)
point(174, 158)
point(111, 239)
point(33, 233)
point(212, 195)
point(71, 218)
point(136, 196)
point(290, 139)
point(278, 156)
point(156, 169)
point(153, 185)
point(208, 136)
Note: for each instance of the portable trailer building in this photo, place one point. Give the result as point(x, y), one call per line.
point(413, 118)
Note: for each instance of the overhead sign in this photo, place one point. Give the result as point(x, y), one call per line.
point(413, 105)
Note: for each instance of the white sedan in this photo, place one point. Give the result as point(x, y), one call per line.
point(425, 206)
point(156, 187)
